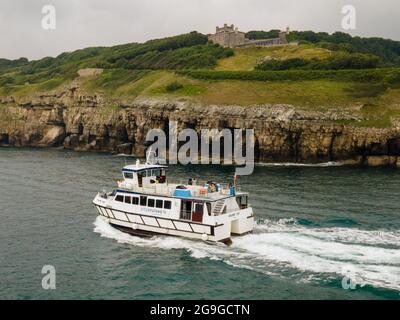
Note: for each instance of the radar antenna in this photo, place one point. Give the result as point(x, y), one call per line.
point(151, 156)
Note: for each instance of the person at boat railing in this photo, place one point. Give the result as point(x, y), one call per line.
point(212, 187)
point(232, 189)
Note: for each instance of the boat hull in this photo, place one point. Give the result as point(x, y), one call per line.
point(142, 225)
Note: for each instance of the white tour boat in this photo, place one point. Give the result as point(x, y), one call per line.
point(147, 203)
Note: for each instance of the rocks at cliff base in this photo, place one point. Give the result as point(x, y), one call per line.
point(80, 121)
point(377, 161)
point(53, 137)
point(4, 139)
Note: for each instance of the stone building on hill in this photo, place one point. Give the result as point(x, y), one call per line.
point(230, 36)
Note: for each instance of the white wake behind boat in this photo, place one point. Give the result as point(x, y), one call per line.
point(147, 203)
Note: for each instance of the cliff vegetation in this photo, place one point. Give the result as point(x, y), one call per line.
point(332, 97)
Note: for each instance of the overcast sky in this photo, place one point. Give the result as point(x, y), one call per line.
point(83, 23)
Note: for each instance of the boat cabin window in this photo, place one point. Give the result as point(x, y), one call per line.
point(150, 203)
point(158, 174)
point(199, 208)
point(143, 174)
point(135, 200)
point(128, 199)
point(208, 206)
point(167, 204)
point(119, 198)
point(159, 203)
point(143, 200)
point(128, 175)
point(242, 201)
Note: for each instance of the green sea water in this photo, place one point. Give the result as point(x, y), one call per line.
point(315, 226)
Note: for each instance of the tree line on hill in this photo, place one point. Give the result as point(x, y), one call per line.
point(192, 51)
point(187, 51)
point(387, 50)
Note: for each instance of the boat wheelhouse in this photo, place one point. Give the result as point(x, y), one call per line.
point(146, 202)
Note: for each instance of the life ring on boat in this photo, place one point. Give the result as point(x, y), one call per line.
point(203, 190)
point(204, 237)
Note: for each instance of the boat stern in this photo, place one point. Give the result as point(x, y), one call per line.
point(244, 223)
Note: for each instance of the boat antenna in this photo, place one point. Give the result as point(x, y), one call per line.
point(149, 154)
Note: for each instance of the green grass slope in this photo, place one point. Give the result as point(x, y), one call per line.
point(246, 59)
point(187, 66)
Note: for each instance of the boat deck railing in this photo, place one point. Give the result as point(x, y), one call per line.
point(198, 190)
point(185, 215)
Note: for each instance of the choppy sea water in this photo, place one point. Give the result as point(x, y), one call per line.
point(315, 226)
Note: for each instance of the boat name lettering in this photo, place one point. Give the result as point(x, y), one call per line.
point(151, 210)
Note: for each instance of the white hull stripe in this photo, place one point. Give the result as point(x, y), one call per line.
point(162, 231)
point(143, 218)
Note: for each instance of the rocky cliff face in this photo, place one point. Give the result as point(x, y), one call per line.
point(78, 121)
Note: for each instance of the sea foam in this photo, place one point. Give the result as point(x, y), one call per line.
point(285, 248)
point(296, 164)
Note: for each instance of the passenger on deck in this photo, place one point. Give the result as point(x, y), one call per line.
point(211, 187)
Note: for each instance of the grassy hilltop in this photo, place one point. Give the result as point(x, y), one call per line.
point(324, 72)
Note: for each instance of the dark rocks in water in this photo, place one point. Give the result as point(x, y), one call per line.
point(125, 148)
point(4, 140)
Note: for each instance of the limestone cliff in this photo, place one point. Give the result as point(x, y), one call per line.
point(78, 121)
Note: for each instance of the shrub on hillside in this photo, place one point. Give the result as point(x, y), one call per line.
point(392, 80)
point(366, 90)
point(345, 60)
point(257, 35)
point(387, 50)
point(368, 75)
point(287, 64)
point(195, 57)
point(173, 86)
point(337, 61)
point(7, 64)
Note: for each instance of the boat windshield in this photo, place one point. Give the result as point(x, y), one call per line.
point(128, 175)
point(158, 175)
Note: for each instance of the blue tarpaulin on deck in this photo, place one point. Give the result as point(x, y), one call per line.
point(182, 193)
